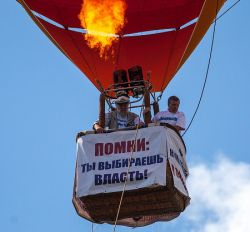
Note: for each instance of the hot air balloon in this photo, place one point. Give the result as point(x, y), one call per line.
point(150, 39)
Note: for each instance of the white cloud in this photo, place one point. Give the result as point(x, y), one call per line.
point(220, 197)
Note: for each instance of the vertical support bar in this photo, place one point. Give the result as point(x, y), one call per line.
point(156, 107)
point(147, 115)
point(102, 110)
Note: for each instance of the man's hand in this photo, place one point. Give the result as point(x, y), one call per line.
point(80, 134)
point(98, 129)
point(179, 129)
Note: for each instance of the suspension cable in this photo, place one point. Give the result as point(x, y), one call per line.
point(207, 71)
point(162, 92)
point(208, 66)
point(126, 177)
point(227, 10)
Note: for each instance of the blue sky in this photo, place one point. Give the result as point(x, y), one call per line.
point(45, 100)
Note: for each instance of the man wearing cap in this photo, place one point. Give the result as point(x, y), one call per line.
point(172, 116)
point(120, 118)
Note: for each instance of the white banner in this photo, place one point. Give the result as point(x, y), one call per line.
point(177, 160)
point(103, 160)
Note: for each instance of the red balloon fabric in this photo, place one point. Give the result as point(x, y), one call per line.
point(159, 52)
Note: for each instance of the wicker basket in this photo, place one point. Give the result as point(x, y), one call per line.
point(136, 204)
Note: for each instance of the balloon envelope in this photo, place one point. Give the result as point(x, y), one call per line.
point(158, 35)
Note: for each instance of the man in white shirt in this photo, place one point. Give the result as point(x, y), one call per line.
point(172, 116)
point(120, 118)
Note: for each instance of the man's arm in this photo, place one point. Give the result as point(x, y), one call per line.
point(100, 129)
point(97, 128)
point(178, 128)
point(181, 122)
point(138, 121)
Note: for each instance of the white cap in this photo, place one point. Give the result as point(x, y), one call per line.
point(122, 99)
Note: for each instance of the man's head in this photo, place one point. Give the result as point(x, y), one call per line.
point(122, 103)
point(173, 104)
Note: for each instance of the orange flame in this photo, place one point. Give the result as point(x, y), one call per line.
point(103, 20)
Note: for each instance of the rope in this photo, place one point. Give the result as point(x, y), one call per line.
point(206, 76)
point(94, 227)
point(160, 96)
point(228, 10)
point(161, 93)
point(126, 179)
point(210, 55)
